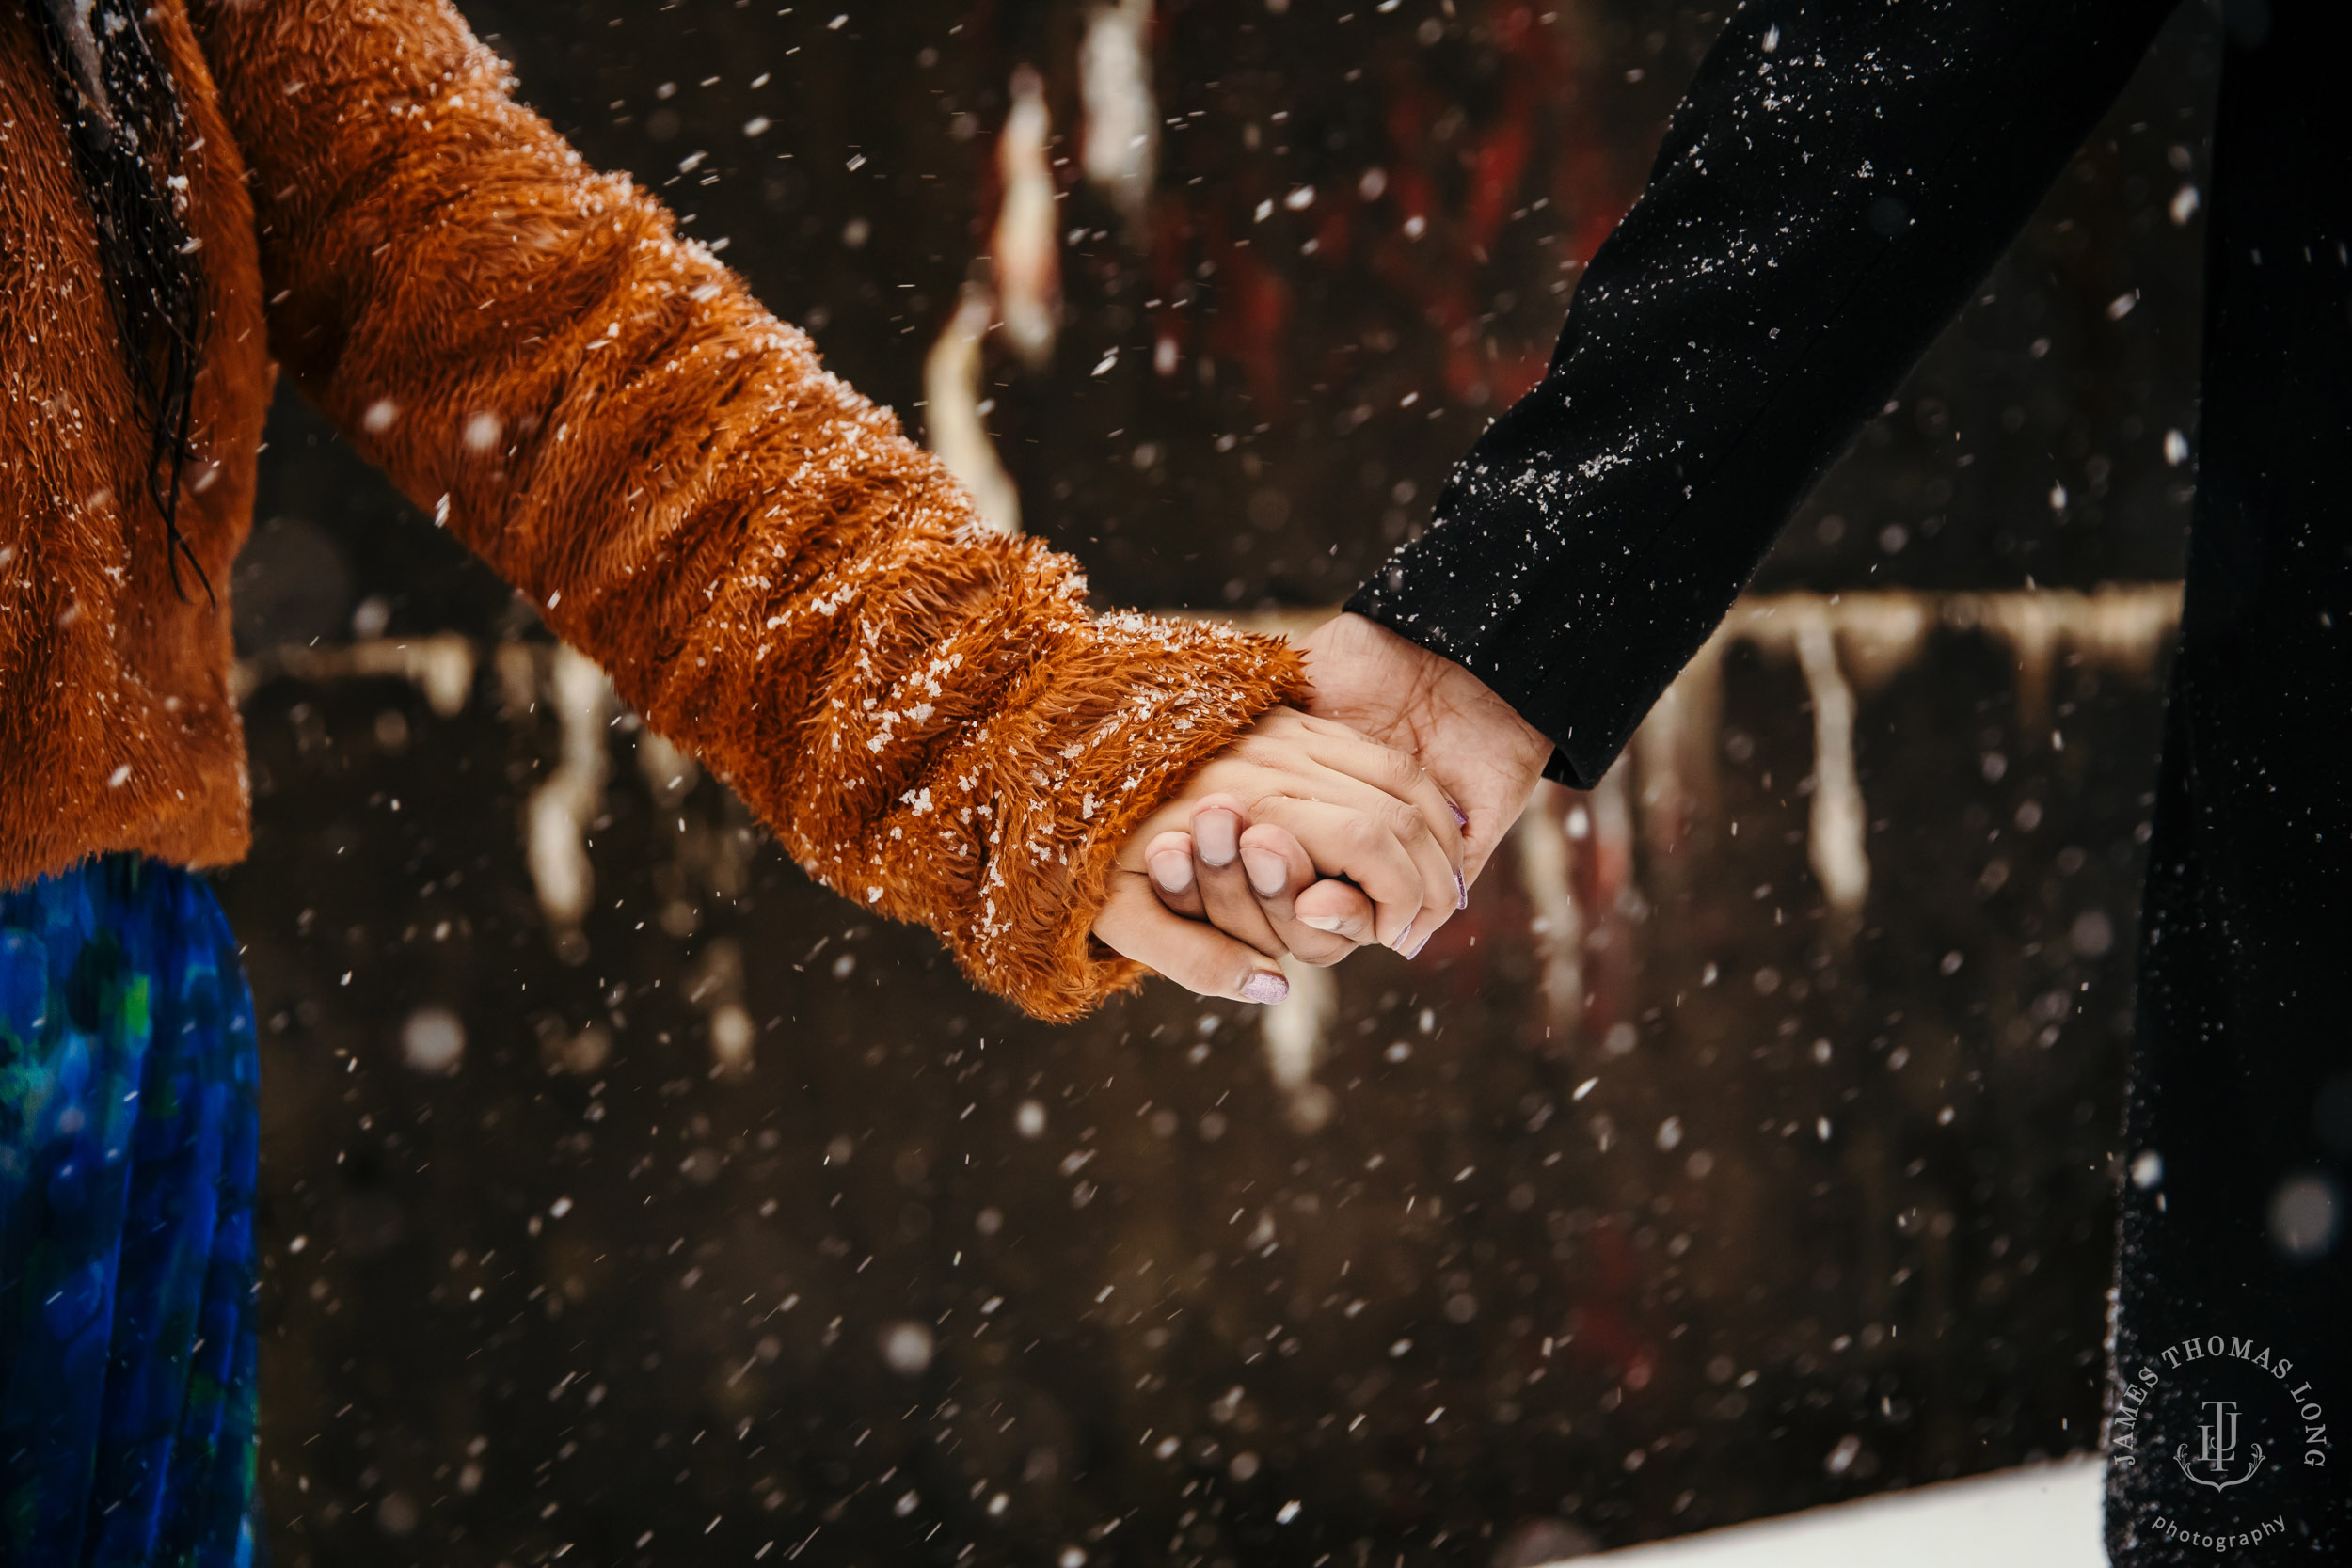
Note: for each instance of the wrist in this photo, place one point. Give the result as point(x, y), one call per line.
point(1452, 699)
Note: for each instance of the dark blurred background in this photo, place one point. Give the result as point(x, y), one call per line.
point(630, 1199)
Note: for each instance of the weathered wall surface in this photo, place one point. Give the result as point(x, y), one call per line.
point(1747, 1144)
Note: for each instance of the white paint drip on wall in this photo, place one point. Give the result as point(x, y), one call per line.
point(1541, 841)
point(952, 418)
point(1673, 754)
point(2031, 624)
point(1297, 1031)
point(1877, 634)
point(669, 772)
point(1029, 264)
point(1837, 849)
point(556, 817)
point(1611, 803)
point(1121, 152)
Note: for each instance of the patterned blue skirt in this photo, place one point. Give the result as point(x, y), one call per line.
point(127, 1147)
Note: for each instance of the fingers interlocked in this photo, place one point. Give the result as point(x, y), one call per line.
point(1304, 839)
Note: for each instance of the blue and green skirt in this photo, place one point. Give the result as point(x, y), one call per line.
point(127, 1151)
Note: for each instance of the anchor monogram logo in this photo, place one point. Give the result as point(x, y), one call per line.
point(2217, 1449)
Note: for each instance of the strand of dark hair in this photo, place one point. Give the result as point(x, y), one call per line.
point(123, 114)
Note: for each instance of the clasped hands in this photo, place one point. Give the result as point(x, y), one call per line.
point(1363, 820)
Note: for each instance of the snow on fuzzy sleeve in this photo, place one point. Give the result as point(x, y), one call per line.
point(922, 710)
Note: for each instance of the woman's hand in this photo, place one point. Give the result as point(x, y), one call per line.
point(1256, 880)
point(1318, 799)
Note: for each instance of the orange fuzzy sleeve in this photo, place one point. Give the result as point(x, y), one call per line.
point(922, 710)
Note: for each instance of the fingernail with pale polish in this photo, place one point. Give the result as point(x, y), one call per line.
point(1402, 937)
point(1461, 891)
point(1331, 923)
point(1173, 873)
point(1265, 988)
point(1418, 946)
point(1461, 817)
point(1267, 872)
point(1216, 836)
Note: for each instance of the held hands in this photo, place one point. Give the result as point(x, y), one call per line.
point(1288, 895)
point(1475, 746)
point(1320, 799)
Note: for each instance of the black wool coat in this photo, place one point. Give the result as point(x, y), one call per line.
point(1840, 177)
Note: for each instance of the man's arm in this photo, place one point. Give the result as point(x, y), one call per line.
point(1839, 176)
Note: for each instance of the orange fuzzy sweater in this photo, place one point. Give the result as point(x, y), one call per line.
point(923, 711)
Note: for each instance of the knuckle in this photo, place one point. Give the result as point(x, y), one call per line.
point(1273, 840)
point(1201, 979)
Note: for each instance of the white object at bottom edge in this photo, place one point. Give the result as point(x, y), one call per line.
point(2047, 1515)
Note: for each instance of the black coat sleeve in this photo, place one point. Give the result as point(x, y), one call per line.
point(1841, 174)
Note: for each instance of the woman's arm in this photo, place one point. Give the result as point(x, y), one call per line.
point(922, 709)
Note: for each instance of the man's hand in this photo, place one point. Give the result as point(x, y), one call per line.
point(1472, 743)
point(1481, 752)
